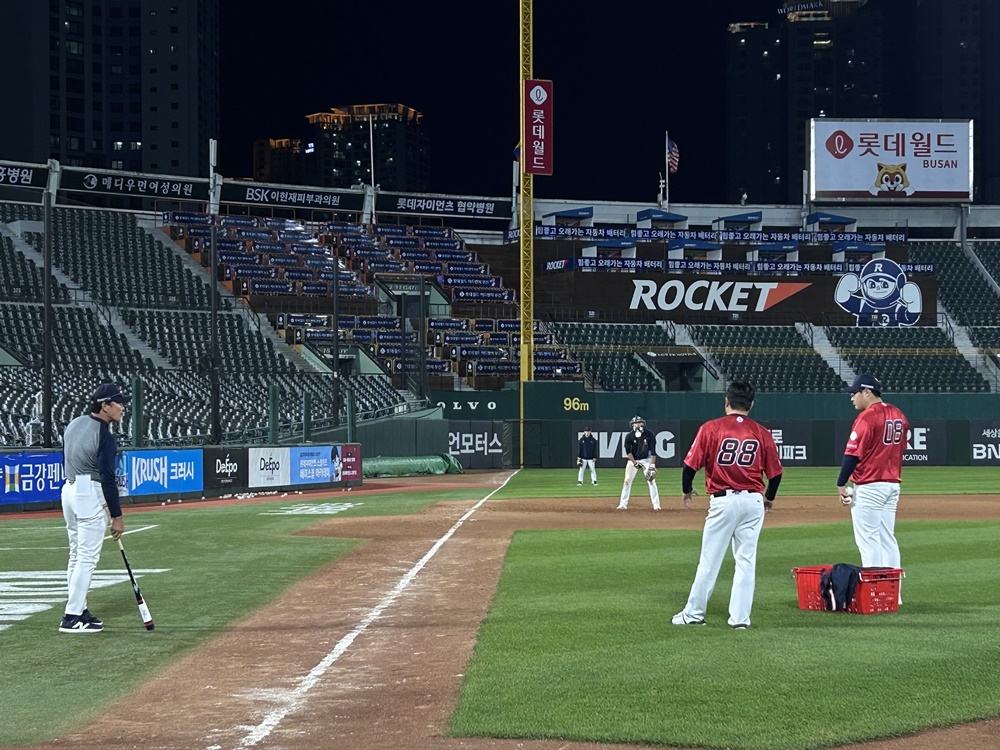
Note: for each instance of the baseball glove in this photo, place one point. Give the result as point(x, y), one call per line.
point(650, 473)
point(579, 462)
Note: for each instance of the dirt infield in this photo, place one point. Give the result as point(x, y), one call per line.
point(395, 683)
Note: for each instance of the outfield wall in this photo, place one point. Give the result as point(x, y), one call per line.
point(33, 480)
point(494, 444)
point(569, 400)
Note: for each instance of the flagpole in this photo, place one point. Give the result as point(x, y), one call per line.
point(666, 182)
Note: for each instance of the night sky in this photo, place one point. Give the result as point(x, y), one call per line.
point(622, 77)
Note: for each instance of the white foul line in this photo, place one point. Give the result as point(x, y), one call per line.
point(294, 697)
point(65, 546)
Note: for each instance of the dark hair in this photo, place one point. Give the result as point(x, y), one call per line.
point(95, 407)
point(740, 395)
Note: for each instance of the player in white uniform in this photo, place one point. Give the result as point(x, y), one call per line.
point(89, 496)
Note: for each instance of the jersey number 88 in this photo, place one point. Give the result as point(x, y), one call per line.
point(732, 451)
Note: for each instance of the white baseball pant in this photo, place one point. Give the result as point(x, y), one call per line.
point(588, 463)
point(630, 472)
point(737, 517)
point(86, 517)
point(874, 516)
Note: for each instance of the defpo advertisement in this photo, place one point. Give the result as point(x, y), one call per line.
point(890, 160)
point(268, 467)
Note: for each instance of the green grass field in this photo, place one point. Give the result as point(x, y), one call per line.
point(577, 643)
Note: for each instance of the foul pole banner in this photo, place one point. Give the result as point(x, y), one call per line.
point(537, 154)
point(890, 160)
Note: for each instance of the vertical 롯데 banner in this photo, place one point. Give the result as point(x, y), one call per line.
point(537, 150)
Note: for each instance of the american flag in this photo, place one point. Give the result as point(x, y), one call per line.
point(673, 156)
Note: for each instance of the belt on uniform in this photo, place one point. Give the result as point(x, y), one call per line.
point(95, 477)
point(724, 493)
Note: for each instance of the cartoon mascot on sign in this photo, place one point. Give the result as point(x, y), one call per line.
point(891, 181)
point(880, 296)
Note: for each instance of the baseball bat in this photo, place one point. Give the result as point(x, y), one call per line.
point(147, 619)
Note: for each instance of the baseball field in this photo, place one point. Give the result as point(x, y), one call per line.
point(501, 610)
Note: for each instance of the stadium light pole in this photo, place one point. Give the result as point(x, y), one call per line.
point(48, 197)
point(527, 226)
point(215, 193)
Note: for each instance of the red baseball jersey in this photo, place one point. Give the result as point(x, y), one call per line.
point(878, 438)
point(736, 453)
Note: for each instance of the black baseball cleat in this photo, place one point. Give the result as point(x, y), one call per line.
point(579, 484)
point(90, 618)
point(75, 624)
point(741, 626)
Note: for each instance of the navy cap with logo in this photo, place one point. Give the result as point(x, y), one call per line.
point(864, 380)
point(110, 392)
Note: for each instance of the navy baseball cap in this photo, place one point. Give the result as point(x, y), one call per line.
point(587, 428)
point(863, 380)
point(110, 392)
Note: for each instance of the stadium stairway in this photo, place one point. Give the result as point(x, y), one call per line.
point(983, 365)
point(14, 232)
point(826, 350)
point(114, 321)
point(682, 335)
point(237, 304)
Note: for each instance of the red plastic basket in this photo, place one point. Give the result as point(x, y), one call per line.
point(877, 591)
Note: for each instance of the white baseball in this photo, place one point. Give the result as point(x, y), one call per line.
point(849, 491)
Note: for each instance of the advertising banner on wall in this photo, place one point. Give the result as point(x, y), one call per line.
point(611, 434)
point(890, 160)
point(157, 472)
point(793, 441)
point(269, 467)
point(350, 456)
point(762, 299)
point(476, 444)
point(926, 442)
point(31, 477)
point(984, 439)
point(225, 468)
point(315, 464)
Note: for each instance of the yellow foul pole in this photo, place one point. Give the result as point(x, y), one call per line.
point(527, 225)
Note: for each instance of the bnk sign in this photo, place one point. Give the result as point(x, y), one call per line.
point(726, 296)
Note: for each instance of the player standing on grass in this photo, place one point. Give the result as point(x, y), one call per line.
point(586, 457)
point(89, 495)
point(873, 458)
point(640, 447)
point(736, 453)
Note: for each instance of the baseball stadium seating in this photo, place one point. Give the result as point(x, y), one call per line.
point(773, 358)
point(989, 254)
point(969, 297)
point(917, 358)
point(124, 271)
point(119, 264)
point(610, 352)
point(79, 338)
point(182, 337)
point(22, 280)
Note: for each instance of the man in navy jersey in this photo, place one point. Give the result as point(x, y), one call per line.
point(736, 453)
point(640, 450)
point(873, 458)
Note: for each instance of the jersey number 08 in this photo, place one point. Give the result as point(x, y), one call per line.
point(732, 451)
point(892, 433)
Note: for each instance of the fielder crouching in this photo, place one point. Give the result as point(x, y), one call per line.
point(640, 446)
